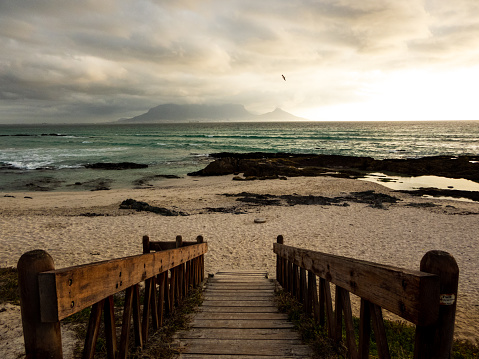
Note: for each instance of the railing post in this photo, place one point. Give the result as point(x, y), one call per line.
point(435, 341)
point(179, 273)
point(146, 244)
point(290, 276)
point(200, 239)
point(42, 340)
point(279, 262)
point(303, 289)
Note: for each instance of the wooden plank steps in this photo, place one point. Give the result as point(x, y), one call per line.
point(239, 319)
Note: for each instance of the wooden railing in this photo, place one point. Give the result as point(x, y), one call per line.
point(47, 295)
point(426, 298)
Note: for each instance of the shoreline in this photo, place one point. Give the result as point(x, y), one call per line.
point(82, 227)
point(99, 176)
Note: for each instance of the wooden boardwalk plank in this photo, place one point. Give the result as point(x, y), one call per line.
point(241, 287)
point(239, 303)
point(242, 316)
point(240, 274)
point(245, 347)
point(215, 309)
point(225, 323)
point(230, 297)
point(221, 295)
point(207, 356)
point(239, 319)
point(243, 333)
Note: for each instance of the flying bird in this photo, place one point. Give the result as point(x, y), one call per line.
point(284, 78)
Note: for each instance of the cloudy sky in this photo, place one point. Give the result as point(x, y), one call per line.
point(96, 61)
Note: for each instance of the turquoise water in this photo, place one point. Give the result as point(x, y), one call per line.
point(58, 153)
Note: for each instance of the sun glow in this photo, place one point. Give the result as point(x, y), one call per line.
point(409, 96)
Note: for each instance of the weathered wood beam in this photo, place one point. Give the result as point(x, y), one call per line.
point(162, 279)
point(137, 317)
point(364, 329)
point(110, 328)
point(93, 330)
point(348, 324)
point(125, 325)
point(75, 289)
point(413, 295)
point(146, 310)
point(379, 331)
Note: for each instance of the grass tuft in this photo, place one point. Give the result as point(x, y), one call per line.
point(400, 335)
point(9, 291)
point(311, 332)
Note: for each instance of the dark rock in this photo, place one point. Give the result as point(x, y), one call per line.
point(115, 166)
point(46, 168)
point(97, 184)
point(436, 192)
point(422, 205)
point(271, 165)
point(30, 135)
point(375, 200)
point(232, 210)
point(4, 166)
point(372, 197)
point(446, 166)
point(143, 206)
point(257, 199)
point(168, 176)
point(101, 188)
point(310, 200)
point(276, 165)
point(220, 167)
point(144, 181)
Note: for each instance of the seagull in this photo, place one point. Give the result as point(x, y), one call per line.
point(284, 78)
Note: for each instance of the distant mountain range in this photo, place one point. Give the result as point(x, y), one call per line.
point(207, 113)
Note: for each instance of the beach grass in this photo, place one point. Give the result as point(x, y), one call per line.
point(9, 291)
point(400, 335)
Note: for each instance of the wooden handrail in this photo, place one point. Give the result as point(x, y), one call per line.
point(48, 295)
point(408, 293)
point(426, 298)
point(81, 286)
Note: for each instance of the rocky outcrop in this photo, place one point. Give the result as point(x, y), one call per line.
point(143, 206)
point(115, 166)
point(374, 199)
point(273, 165)
point(436, 192)
point(453, 167)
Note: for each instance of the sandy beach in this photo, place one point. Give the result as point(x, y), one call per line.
point(81, 227)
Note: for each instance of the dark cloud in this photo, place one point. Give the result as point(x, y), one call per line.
point(109, 59)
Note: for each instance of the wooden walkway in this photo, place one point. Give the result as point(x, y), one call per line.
point(239, 319)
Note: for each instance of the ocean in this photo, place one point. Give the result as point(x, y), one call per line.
point(53, 157)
